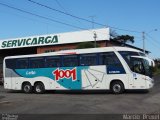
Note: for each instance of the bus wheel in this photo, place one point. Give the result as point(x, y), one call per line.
point(117, 87)
point(27, 87)
point(39, 88)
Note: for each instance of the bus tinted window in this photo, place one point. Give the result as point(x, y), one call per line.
point(53, 61)
point(111, 60)
point(142, 54)
point(36, 63)
point(22, 63)
point(70, 60)
point(127, 54)
point(10, 63)
point(88, 59)
point(108, 59)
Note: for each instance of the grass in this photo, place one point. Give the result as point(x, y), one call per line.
point(156, 71)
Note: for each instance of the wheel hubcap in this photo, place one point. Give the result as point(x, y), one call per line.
point(117, 88)
point(27, 88)
point(38, 89)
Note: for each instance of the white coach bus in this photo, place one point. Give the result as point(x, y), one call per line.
point(109, 68)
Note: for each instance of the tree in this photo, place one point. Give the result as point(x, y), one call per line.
point(113, 34)
point(156, 69)
point(85, 45)
point(123, 38)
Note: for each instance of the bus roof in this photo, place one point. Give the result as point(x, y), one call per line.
point(77, 51)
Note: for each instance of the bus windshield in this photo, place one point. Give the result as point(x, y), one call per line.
point(140, 65)
point(127, 55)
point(147, 67)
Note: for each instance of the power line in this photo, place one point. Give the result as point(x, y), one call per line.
point(50, 19)
point(100, 24)
point(40, 16)
point(155, 44)
point(42, 5)
point(61, 6)
point(43, 17)
point(152, 38)
point(24, 17)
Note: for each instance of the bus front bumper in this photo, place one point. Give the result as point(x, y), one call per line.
point(150, 83)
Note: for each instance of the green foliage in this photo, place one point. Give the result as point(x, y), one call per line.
point(124, 38)
point(86, 45)
point(156, 69)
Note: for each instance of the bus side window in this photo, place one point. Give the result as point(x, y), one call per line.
point(53, 62)
point(10, 63)
point(127, 55)
point(37, 62)
point(22, 63)
point(106, 58)
point(88, 59)
point(111, 61)
point(70, 60)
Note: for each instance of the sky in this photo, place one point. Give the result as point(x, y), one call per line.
point(130, 17)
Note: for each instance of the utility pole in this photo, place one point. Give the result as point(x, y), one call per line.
point(94, 33)
point(95, 37)
point(143, 38)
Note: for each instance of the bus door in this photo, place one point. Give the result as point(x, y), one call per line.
point(137, 78)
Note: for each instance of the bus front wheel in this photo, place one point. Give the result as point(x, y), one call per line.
point(27, 87)
point(117, 87)
point(39, 88)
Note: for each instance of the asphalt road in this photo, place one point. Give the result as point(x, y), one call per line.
point(88, 102)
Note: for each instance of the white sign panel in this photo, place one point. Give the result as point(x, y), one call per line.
point(54, 39)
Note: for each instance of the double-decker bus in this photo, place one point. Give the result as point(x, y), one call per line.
point(106, 68)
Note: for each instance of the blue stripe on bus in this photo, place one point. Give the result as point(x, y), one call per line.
point(115, 70)
point(64, 80)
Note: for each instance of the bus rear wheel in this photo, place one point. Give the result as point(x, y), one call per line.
point(27, 87)
point(117, 87)
point(39, 88)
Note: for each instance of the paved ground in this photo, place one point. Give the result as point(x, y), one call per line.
point(93, 102)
